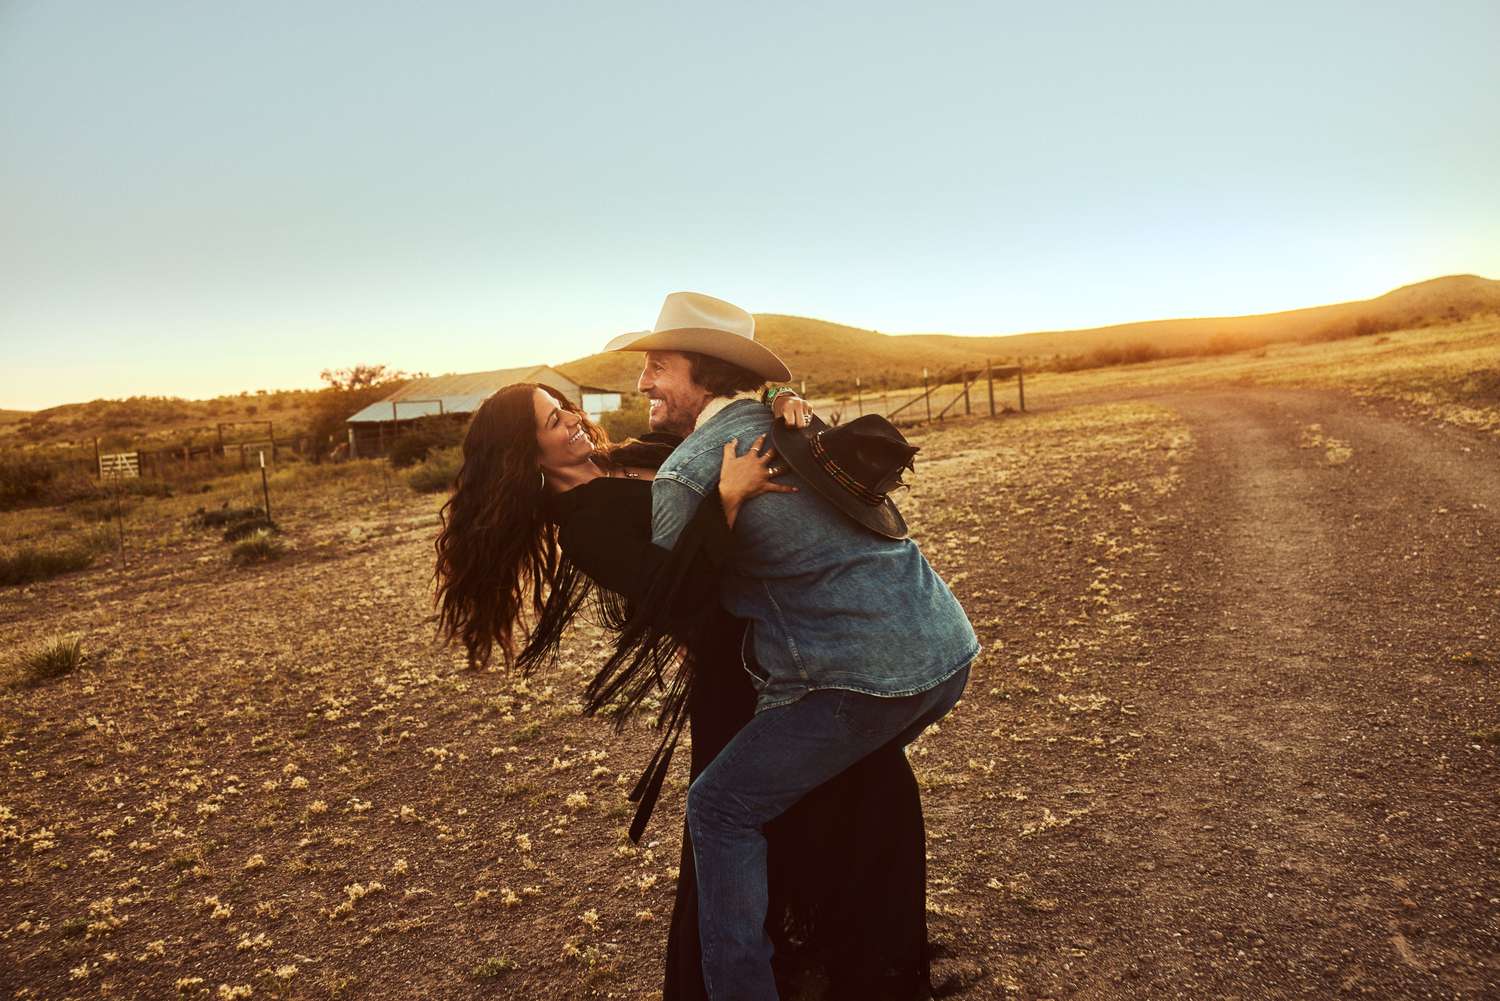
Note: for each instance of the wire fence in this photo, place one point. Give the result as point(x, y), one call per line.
point(960, 393)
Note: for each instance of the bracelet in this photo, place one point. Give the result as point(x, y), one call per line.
point(769, 394)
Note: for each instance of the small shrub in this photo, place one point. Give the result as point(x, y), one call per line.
point(30, 563)
point(50, 659)
point(258, 547)
point(437, 472)
point(493, 967)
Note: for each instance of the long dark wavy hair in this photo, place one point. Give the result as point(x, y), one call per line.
point(498, 562)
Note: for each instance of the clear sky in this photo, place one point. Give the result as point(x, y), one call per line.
point(199, 198)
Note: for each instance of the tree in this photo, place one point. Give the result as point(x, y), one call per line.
point(349, 391)
point(361, 376)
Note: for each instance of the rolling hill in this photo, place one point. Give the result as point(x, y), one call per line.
point(831, 354)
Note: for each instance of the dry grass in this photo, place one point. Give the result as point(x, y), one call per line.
point(48, 659)
point(28, 563)
point(260, 546)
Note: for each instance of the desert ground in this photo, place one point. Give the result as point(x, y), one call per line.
point(1235, 732)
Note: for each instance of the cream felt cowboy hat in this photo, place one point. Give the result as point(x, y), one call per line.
point(692, 321)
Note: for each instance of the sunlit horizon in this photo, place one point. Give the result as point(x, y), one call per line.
point(523, 353)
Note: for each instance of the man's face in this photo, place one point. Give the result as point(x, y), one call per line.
point(676, 400)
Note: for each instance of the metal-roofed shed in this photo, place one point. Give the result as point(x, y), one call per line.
point(459, 395)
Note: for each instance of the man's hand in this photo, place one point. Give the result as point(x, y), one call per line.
point(792, 410)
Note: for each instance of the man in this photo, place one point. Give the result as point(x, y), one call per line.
point(857, 641)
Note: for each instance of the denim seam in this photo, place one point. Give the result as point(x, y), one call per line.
point(965, 662)
point(681, 480)
point(791, 641)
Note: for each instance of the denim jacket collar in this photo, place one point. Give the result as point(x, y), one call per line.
point(718, 403)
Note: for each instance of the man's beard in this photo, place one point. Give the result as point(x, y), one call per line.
point(670, 419)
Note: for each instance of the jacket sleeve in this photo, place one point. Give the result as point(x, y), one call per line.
point(673, 504)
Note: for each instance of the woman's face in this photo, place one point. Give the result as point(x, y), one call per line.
point(560, 437)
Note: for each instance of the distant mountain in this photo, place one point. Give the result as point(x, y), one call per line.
point(830, 355)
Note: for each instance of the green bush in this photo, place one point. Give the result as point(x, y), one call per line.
point(52, 658)
point(630, 421)
point(437, 472)
point(416, 443)
point(30, 563)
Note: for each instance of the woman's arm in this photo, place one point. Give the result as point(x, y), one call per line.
point(612, 545)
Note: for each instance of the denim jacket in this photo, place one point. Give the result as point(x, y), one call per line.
point(832, 604)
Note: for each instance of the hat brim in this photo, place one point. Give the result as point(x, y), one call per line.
point(737, 350)
point(794, 447)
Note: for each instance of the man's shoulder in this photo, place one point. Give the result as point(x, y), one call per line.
point(707, 442)
point(735, 419)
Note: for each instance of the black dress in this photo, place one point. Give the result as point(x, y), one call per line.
point(846, 866)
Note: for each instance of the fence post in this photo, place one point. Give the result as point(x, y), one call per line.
point(265, 490)
point(119, 486)
point(98, 468)
point(859, 396)
point(928, 394)
point(989, 371)
point(1021, 386)
point(965, 373)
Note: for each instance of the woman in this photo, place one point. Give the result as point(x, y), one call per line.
point(543, 509)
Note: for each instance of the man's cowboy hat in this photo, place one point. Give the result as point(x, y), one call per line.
point(854, 466)
point(692, 321)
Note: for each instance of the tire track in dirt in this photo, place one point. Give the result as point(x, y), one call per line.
point(1321, 820)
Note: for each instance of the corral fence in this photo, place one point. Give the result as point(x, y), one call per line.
point(959, 393)
point(60, 474)
point(232, 447)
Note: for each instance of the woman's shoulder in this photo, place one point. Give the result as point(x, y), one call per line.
point(607, 495)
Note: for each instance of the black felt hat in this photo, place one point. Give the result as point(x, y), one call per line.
point(855, 466)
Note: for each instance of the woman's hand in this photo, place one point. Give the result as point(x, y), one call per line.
point(750, 475)
point(792, 410)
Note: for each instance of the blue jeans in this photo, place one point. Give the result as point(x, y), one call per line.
point(782, 754)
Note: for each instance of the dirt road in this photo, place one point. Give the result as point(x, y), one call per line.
point(1312, 807)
